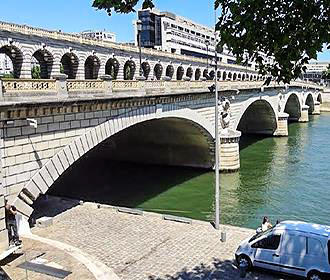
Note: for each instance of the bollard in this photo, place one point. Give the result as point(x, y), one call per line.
point(223, 237)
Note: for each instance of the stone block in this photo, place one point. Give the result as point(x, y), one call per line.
point(23, 208)
point(48, 119)
point(59, 118)
point(70, 133)
point(28, 130)
point(69, 155)
point(46, 176)
point(80, 116)
point(74, 151)
point(2, 224)
point(84, 143)
point(33, 189)
point(48, 153)
point(13, 151)
point(9, 161)
point(4, 242)
point(16, 169)
point(52, 170)
point(84, 123)
point(69, 117)
point(58, 165)
point(53, 126)
point(14, 131)
point(89, 140)
point(75, 124)
point(80, 147)
point(28, 148)
point(23, 177)
point(94, 137)
point(89, 115)
point(23, 158)
point(65, 125)
point(42, 128)
point(94, 122)
point(47, 136)
point(42, 146)
point(44, 222)
point(10, 180)
point(63, 159)
point(29, 166)
point(98, 114)
point(54, 144)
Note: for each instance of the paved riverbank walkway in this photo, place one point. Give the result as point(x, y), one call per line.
point(146, 247)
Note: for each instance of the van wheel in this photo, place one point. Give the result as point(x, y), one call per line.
point(246, 260)
point(314, 275)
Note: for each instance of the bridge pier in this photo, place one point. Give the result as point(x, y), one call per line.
point(229, 150)
point(317, 108)
point(304, 114)
point(282, 125)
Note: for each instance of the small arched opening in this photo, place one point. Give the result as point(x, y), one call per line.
point(42, 62)
point(189, 72)
point(224, 75)
point(146, 69)
point(319, 98)
point(129, 70)
point(212, 75)
point(158, 71)
point(112, 68)
point(234, 77)
point(197, 74)
point(92, 67)
point(230, 75)
point(206, 74)
point(179, 73)
point(310, 103)
point(170, 71)
point(69, 65)
point(13, 59)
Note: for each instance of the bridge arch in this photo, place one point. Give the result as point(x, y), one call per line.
point(319, 98)
point(179, 73)
point(158, 71)
point(112, 68)
point(293, 106)
point(15, 55)
point(197, 74)
point(169, 71)
point(189, 72)
point(310, 103)
point(70, 62)
point(129, 70)
point(257, 117)
point(146, 69)
point(45, 61)
point(92, 67)
point(199, 151)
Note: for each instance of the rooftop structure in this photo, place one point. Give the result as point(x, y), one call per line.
point(99, 35)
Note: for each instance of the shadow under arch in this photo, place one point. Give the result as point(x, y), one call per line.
point(179, 73)
point(319, 98)
point(16, 57)
point(158, 71)
point(169, 71)
point(183, 138)
point(310, 103)
point(146, 69)
point(293, 108)
point(129, 70)
point(197, 74)
point(258, 118)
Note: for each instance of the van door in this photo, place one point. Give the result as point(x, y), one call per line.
point(267, 251)
point(293, 253)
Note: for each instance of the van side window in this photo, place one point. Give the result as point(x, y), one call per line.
point(294, 244)
point(270, 242)
point(314, 247)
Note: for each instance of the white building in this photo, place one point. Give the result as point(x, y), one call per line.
point(172, 33)
point(99, 35)
point(315, 70)
point(6, 66)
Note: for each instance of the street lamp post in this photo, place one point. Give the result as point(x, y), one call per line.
point(139, 29)
point(207, 43)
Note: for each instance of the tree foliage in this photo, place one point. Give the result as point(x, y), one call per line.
point(35, 72)
point(289, 33)
point(326, 74)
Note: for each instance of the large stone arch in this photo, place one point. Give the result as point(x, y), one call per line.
point(257, 117)
point(45, 59)
point(15, 54)
point(112, 68)
point(92, 67)
point(309, 101)
point(292, 106)
point(70, 63)
point(319, 97)
point(81, 145)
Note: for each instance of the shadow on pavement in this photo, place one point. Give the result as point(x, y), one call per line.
point(225, 270)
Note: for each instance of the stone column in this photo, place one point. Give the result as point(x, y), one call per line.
point(61, 86)
point(107, 81)
point(80, 71)
point(317, 108)
point(56, 68)
point(282, 125)
point(26, 68)
point(229, 150)
point(304, 114)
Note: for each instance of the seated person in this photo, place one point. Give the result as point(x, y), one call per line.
point(265, 224)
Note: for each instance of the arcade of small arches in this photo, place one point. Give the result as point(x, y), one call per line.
point(93, 66)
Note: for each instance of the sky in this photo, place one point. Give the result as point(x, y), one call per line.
point(78, 15)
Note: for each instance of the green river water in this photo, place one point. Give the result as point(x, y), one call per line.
point(283, 178)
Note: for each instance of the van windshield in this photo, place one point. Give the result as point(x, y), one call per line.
point(254, 237)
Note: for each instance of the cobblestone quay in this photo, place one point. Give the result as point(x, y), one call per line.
point(148, 247)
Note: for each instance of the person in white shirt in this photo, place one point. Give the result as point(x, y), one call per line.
point(265, 224)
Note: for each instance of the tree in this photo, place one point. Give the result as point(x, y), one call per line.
point(289, 33)
point(35, 72)
point(326, 74)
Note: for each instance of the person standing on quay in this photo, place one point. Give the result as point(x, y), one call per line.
point(11, 224)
